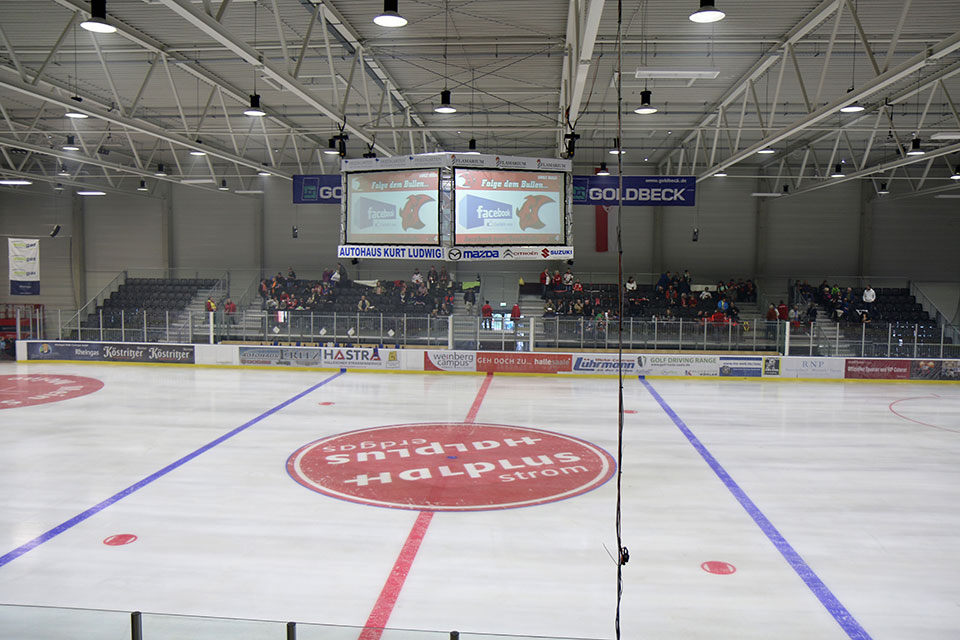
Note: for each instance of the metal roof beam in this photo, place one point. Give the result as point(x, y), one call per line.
point(943, 48)
point(215, 30)
point(25, 88)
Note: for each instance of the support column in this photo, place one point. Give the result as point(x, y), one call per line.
point(865, 235)
point(78, 254)
point(656, 250)
point(260, 232)
point(760, 241)
point(166, 225)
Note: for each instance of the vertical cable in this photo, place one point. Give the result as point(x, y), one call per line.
point(622, 555)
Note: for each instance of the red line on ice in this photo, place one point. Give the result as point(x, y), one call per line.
point(377, 621)
point(925, 424)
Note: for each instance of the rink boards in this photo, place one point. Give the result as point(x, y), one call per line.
point(654, 365)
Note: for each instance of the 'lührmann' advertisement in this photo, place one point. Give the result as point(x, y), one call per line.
point(111, 352)
point(645, 365)
point(327, 357)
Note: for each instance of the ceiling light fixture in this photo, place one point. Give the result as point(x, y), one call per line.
point(198, 181)
point(615, 150)
point(91, 192)
point(254, 110)
point(198, 152)
point(956, 173)
point(263, 172)
point(160, 173)
point(331, 149)
point(71, 144)
point(720, 174)
point(223, 185)
point(15, 182)
point(97, 22)
point(766, 194)
point(391, 15)
point(70, 113)
point(854, 107)
point(58, 187)
point(63, 171)
point(707, 13)
point(603, 171)
point(766, 151)
point(883, 189)
point(445, 105)
point(837, 172)
point(143, 186)
point(645, 108)
point(946, 135)
point(248, 192)
point(915, 149)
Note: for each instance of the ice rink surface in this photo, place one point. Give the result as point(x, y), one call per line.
point(860, 480)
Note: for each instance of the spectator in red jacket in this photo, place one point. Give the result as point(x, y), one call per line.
point(515, 312)
point(486, 311)
point(783, 312)
point(545, 280)
point(230, 310)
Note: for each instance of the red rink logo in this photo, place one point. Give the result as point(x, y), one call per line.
point(27, 390)
point(451, 466)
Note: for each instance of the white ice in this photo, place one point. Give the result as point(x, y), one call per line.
point(862, 479)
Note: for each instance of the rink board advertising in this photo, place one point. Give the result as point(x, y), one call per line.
point(517, 207)
point(393, 207)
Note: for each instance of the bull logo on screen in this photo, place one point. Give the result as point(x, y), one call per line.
point(410, 213)
point(528, 213)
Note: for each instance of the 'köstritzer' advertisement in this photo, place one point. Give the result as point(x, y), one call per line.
point(111, 352)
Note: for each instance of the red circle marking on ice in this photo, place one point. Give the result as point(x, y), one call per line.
point(326, 404)
point(451, 466)
point(119, 539)
point(720, 568)
point(30, 389)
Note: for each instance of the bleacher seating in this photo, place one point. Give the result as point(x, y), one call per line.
point(156, 296)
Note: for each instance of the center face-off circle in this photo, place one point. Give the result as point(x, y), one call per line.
point(27, 390)
point(451, 466)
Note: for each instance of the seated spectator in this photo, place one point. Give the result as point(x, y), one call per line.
point(577, 307)
point(363, 304)
point(664, 280)
point(548, 310)
point(723, 305)
point(577, 287)
point(417, 277)
point(705, 295)
point(812, 313)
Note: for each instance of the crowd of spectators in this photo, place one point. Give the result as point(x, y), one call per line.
point(673, 296)
point(423, 294)
point(843, 304)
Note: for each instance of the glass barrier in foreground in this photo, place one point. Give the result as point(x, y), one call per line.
point(23, 622)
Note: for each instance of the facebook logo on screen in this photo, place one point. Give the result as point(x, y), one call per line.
point(367, 212)
point(476, 211)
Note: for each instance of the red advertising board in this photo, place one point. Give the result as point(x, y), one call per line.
point(859, 369)
point(509, 362)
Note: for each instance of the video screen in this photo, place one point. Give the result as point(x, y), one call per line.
point(494, 206)
point(393, 207)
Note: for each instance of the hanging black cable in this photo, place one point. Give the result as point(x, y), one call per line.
point(622, 554)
